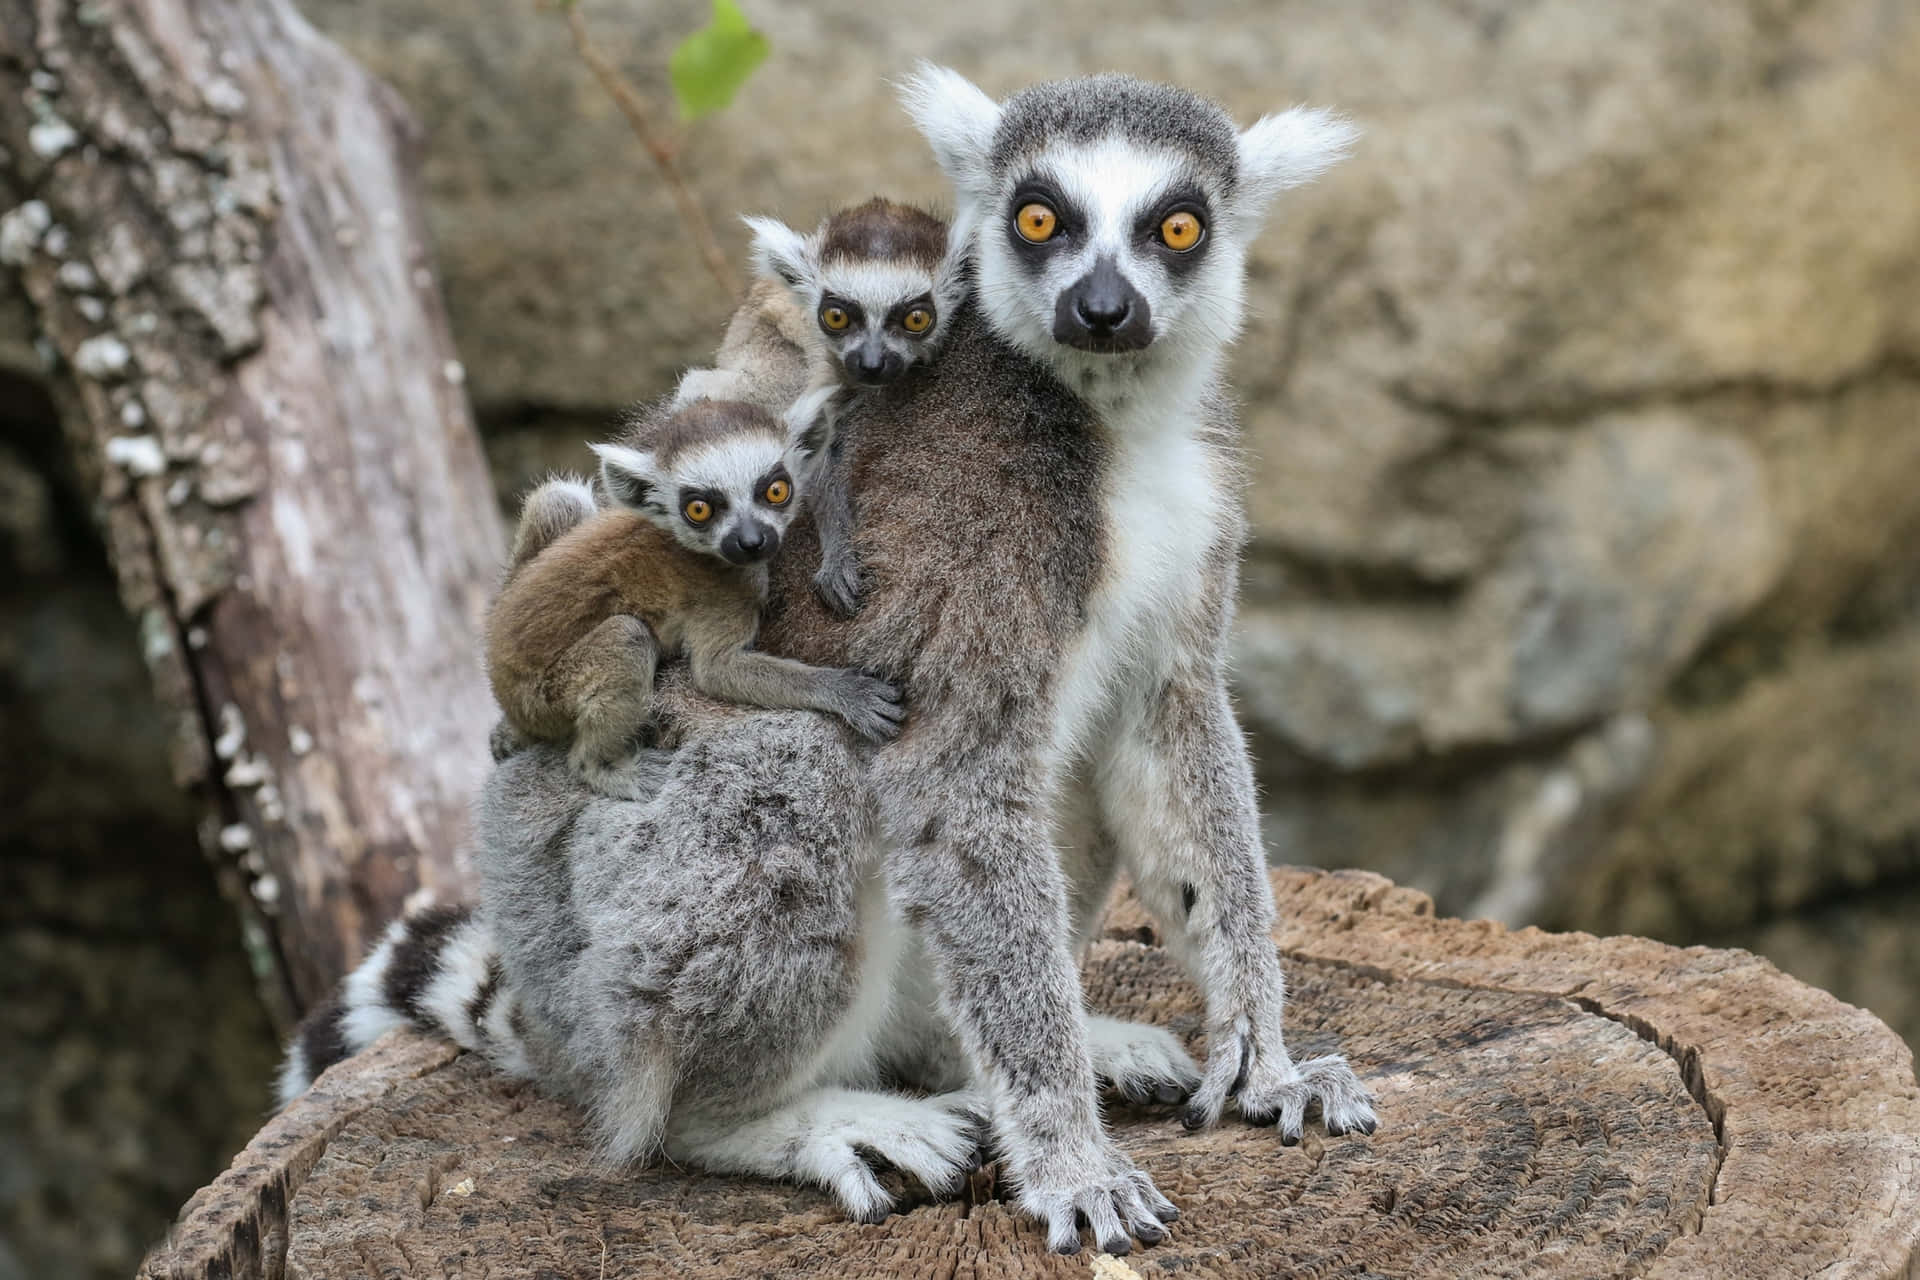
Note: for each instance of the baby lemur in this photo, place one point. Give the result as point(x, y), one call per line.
point(854, 305)
point(676, 563)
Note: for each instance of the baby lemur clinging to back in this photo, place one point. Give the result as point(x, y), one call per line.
point(677, 563)
point(854, 305)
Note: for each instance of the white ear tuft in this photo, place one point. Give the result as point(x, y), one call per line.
point(807, 422)
point(957, 119)
point(1290, 149)
point(780, 252)
point(626, 474)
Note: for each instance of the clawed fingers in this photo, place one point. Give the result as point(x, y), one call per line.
point(1344, 1102)
point(1115, 1215)
point(1227, 1061)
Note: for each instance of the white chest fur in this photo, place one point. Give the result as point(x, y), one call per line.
point(1162, 509)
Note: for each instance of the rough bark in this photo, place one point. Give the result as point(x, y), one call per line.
point(1551, 1105)
point(211, 214)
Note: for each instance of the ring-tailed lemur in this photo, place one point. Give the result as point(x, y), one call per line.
point(860, 302)
point(676, 564)
point(1051, 521)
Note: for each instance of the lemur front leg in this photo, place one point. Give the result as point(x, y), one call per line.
point(973, 869)
point(733, 673)
point(1177, 791)
point(837, 582)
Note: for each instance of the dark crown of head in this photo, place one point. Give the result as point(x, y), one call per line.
point(881, 230)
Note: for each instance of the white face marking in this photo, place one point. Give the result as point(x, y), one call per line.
point(872, 291)
point(1106, 189)
point(878, 287)
point(734, 469)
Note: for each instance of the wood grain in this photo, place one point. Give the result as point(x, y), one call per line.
point(1551, 1105)
point(212, 211)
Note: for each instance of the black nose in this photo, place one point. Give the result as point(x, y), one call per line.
point(873, 365)
point(1106, 309)
point(749, 543)
point(1102, 311)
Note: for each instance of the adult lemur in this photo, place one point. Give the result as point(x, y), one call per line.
point(1050, 520)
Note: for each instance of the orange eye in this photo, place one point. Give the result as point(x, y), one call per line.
point(1180, 231)
point(698, 511)
point(1036, 223)
point(918, 320)
point(833, 318)
point(778, 492)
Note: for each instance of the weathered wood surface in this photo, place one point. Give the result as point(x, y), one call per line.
point(211, 211)
point(1551, 1105)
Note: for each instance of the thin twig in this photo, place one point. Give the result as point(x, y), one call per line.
point(627, 98)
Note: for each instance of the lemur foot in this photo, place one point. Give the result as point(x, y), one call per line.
point(504, 741)
point(1119, 1204)
point(839, 587)
point(1280, 1093)
point(638, 776)
point(1146, 1064)
point(936, 1139)
point(871, 705)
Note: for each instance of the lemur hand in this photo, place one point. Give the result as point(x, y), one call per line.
point(838, 586)
point(1270, 1088)
point(871, 705)
point(1116, 1199)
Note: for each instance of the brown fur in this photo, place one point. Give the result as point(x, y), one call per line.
point(881, 230)
point(616, 563)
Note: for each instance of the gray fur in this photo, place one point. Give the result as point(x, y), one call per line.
point(1050, 538)
point(1093, 107)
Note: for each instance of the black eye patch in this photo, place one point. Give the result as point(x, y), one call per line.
point(716, 503)
point(1146, 227)
point(897, 318)
point(1070, 220)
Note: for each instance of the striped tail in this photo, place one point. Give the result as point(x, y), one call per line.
point(438, 970)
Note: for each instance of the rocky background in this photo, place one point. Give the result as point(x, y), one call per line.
point(1584, 407)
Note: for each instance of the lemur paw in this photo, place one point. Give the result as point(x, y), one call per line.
point(1146, 1064)
point(839, 588)
point(638, 776)
point(1279, 1092)
point(1119, 1204)
point(937, 1140)
point(872, 706)
point(504, 741)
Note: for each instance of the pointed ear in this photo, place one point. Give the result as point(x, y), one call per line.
point(958, 121)
point(628, 475)
point(780, 252)
point(1289, 150)
point(809, 423)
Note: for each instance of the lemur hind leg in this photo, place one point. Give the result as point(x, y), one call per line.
point(1177, 790)
point(822, 1136)
point(549, 511)
point(605, 684)
point(1145, 1063)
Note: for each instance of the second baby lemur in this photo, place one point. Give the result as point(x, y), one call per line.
point(676, 563)
point(856, 304)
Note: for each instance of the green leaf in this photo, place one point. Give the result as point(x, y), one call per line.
point(711, 64)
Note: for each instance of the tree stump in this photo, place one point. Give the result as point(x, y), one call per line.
point(1550, 1104)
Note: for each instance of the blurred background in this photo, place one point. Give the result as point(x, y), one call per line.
point(1584, 410)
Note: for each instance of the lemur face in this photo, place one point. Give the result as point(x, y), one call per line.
point(1110, 217)
point(721, 476)
point(878, 319)
point(875, 278)
point(1107, 246)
